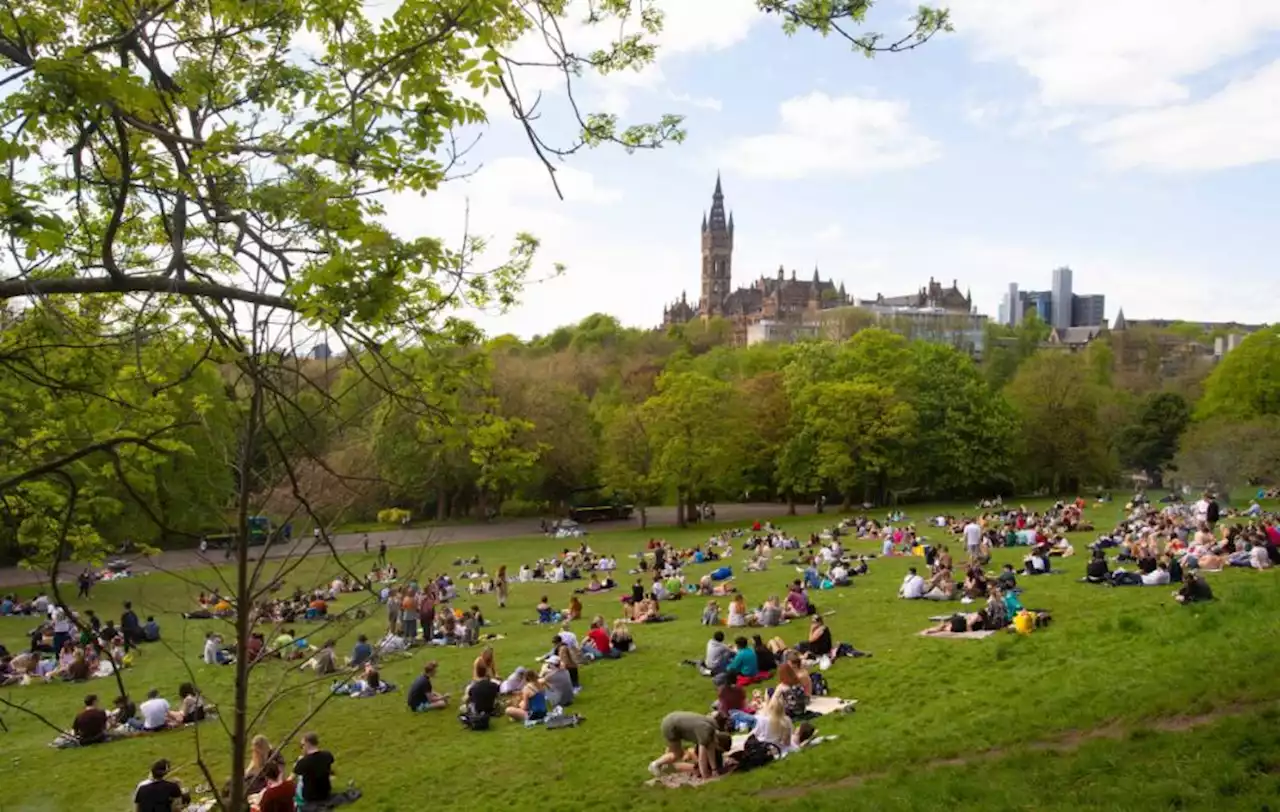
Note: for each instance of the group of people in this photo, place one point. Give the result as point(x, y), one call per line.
point(75, 646)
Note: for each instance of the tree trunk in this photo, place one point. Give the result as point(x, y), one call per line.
point(692, 510)
point(791, 502)
point(244, 607)
point(442, 505)
point(644, 517)
point(680, 518)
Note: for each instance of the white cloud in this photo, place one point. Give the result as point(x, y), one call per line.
point(1238, 126)
point(824, 135)
point(703, 102)
point(1130, 53)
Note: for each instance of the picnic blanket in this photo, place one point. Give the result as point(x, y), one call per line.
point(672, 780)
point(68, 740)
point(959, 635)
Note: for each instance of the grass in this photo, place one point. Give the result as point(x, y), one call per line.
point(1067, 718)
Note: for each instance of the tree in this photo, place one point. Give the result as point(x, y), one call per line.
point(222, 171)
point(964, 433)
point(859, 432)
point(1246, 383)
point(1057, 401)
point(693, 424)
point(627, 461)
point(1226, 454)
point(1149, 443)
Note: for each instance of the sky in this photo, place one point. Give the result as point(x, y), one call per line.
point(1135, 141)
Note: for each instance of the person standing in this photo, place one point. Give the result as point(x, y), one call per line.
point(500, 585)
point(973, 539)
point(366, 543)
point(85, 581)
point(382, 552)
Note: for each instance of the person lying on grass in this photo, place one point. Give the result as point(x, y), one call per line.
point(959, 623)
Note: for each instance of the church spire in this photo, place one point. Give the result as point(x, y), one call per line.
point(716, 221)
point(704, 220)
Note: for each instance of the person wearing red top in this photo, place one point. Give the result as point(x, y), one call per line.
point(600, 639)
point(278, 796)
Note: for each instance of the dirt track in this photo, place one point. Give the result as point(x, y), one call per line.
point(449, 534)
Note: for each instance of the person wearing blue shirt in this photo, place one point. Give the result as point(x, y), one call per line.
point(744, 661)
point(362, 652)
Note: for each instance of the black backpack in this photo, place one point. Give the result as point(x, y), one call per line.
point(756, 753)
point(474, 721)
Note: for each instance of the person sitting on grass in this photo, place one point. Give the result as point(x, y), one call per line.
point(766, 661)
point(700, 730)
point(711, 614)
point(191, 707)
point(545, 612)
point(716, 657)
point(942, 586)
point(598, 638)
point(157, 793)
point(315, 770)
point(1007, 580)
point(1096, 571)
point(621, 638)
point(485, 662)
point(793, 674)
point(913, 586)
point(531, 705)
point(559, 686)
point(744, 662)
point(279, 791)
point(574, 610)
point(481, 699)
point(90, 725)
point(361, 652)
point(421, 696)
point(1195, 589)
point(819, 644)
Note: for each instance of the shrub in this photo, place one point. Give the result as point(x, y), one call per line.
point(393, 516)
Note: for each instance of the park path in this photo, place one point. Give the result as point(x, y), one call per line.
point(446, 534)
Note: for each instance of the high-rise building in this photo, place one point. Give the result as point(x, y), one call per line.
point(1062, 302)
point(1057, 307)
point(1089, 310)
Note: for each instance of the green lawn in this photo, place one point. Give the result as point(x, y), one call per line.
point(1076, 716)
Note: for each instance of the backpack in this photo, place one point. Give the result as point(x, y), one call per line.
point(796, 701)
point(819, 685)
point(756, 753)
point(474, 721)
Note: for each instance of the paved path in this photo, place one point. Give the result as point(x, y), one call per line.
point(448, 534)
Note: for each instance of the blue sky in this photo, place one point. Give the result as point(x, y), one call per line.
point(1135, 141)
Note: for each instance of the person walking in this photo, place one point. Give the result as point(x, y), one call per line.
point(382, 553)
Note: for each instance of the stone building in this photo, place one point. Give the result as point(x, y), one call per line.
point(780, 299)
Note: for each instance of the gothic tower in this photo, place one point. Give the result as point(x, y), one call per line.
point(717, 256)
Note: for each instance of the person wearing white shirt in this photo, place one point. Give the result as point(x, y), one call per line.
point(1157, 577)
point(972, 538)
point(154, 711)
point(568, 638)
point(839, 575)
point(886, 547)
point(1258, 558)
point(913, 586)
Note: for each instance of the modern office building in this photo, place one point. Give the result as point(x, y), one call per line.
point(1059, 307)
point(1061, 301)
